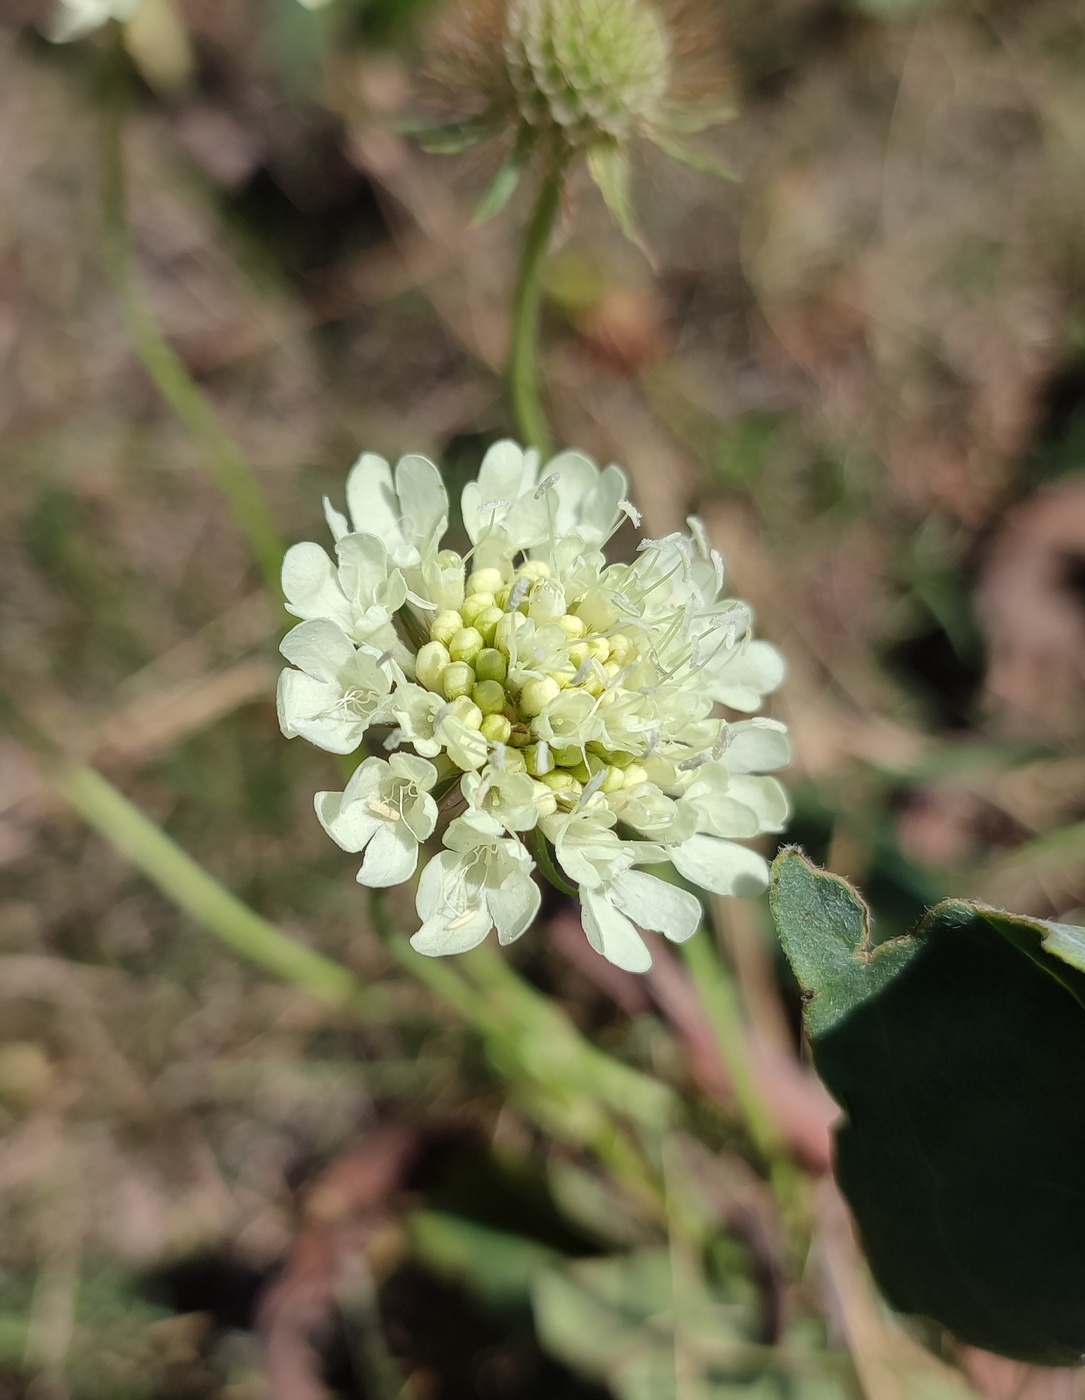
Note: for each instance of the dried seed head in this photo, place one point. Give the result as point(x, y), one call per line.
point(596, 70)
point(580, 77)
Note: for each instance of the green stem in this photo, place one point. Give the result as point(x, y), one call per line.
point(223, 457)
point(720, 1000)
point(523, 349)
point(190, 887)
point(540, 849)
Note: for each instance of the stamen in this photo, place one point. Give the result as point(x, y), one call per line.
point(546, 484)
point(592, 786)
point(699, 533)
point(464, 918)
point(689, 765)
point(518, 593)
point(382, 809)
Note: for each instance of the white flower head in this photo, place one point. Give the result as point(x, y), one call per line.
point(526, 685)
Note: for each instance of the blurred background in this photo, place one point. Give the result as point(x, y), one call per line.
point(862, 362)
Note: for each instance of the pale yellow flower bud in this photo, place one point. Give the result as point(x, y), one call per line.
point(458, 680)
point(484, 581)
point(491, 665)
point(537, 694)
point(489, 696)
point(496, 729)
point(445, 626)
point(466, 644)
point(430, 664)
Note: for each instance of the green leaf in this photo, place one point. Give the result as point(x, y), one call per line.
point(618, 1320)
point(610, 169)
point(451, 138)
point(958, 1056)
point(505, 182)
point(694, 158)
point(498, 1266)
point(1067, 941)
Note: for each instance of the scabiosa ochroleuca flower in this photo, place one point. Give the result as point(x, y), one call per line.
point(532, 701)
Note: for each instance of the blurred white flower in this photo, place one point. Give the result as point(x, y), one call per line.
point(74, 18)
point(543, 690)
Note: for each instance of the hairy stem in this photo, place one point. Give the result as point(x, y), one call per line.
point(523, 349)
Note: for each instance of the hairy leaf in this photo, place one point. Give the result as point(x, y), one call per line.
point(958, 1056)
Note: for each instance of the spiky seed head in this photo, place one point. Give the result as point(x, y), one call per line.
point(595, 70)
point(567, 78)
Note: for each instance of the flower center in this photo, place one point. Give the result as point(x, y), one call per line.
point(519, 664)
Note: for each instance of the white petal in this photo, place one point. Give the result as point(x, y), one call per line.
point(307, 708)
point(319, 648)
point(514, 906)
point(658, 905)
point(371, 498)
point(350, 825)
point(364, 567)
point(437, 939)
point(500, 478)
point(419, 770)
point(610, 933)
point(423, 500)
point(757, 746)
point(338, 523)
point(311, 585)
point(429, 897)
point(721, 866)
point(727, 816)
point(366, 780)
point(444, 929)
point(390, 858)
point(748, 675)
point(763, 796)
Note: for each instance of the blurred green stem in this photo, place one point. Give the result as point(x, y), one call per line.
point(223, 457)
point(523, 349)
point(190, 887)
point(721, 1003)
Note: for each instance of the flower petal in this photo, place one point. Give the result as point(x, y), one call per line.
point(371, 498)
point(349, 824)
point(658, 905)
point(609, 932)
point(444, 928)
point(763, 796)
point(308, 709)
point(319, 648)
point(311, 585)
point(721, 866)
point(390, 858)
point(514, 906)
point(757, 746)
point(747, 675)
point(423, 499)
